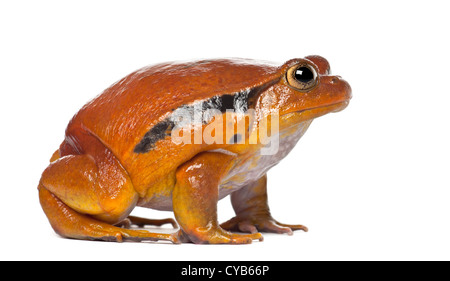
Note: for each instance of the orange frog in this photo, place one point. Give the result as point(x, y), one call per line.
point(179, 137)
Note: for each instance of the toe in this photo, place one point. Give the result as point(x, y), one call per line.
point(294, 226)
point(271, 226)
point(247, 227)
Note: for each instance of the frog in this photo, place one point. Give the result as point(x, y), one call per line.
point(137, 144)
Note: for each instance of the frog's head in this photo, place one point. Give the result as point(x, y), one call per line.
point(305, 91)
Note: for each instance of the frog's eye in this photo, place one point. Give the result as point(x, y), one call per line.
point(302, 77)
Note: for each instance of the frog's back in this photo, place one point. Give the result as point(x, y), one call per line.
point(127, 110)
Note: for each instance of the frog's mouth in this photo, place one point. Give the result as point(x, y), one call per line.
point(315, 112)
point(334, 107)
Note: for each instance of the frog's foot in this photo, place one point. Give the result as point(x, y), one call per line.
point(142, 222)
point(217, 235)
point(265, 224)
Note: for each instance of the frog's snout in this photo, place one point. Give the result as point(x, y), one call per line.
point(339, 88)
point(342, 92)
point(346, 87)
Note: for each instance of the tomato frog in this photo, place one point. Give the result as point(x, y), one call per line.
point(179, 137)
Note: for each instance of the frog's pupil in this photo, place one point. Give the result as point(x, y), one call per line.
point(304, 74)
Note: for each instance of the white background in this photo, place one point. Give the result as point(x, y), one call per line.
point(371, 182)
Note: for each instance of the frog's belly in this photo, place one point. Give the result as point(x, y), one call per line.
point(252, 169)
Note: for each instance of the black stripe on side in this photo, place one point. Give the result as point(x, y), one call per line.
point(240, 102)
point(158, 132)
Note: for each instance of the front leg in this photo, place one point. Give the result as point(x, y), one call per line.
point(195, 198)
point(252, 211)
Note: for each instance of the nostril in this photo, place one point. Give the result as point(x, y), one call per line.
point(335, 79)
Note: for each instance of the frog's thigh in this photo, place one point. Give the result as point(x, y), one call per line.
point(195, 198)
point(83, 198)
point(102, 190)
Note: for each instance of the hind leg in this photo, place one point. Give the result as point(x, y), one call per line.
point(71, 224)
point(84, 195)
